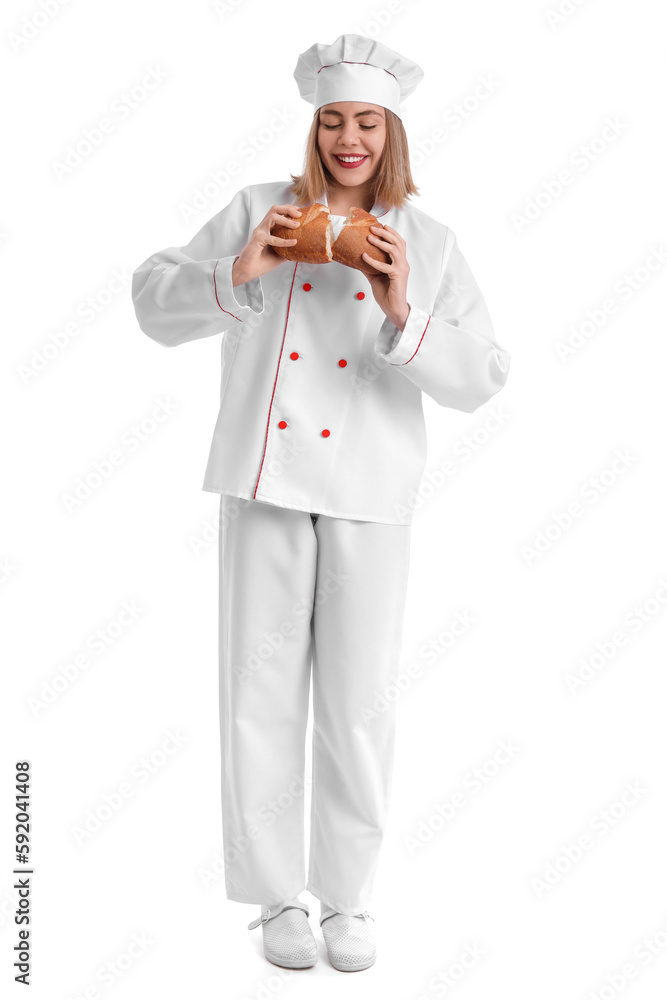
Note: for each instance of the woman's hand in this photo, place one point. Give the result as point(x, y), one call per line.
point(257, 257)
point(390, 285)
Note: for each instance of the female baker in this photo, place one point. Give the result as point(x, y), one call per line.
point(317, 454)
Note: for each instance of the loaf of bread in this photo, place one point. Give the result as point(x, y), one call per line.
point(315, 243)
point(313, 237)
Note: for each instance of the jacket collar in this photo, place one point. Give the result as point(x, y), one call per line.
point(377, 210)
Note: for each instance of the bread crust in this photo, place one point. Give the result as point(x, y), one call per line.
point(313, 236)
point(353, 241)
point(314, 239)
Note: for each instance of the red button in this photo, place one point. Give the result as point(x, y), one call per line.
point(361, 295)
point(282, 424)
point(307, 287)
point(326, 433)
point(294, 355)
point(342, 362)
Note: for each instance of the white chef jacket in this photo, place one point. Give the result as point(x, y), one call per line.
point(321, 395)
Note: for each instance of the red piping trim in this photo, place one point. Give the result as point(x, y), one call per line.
point(355, 62)
point(268, 418)
point(416, 348)
point(215, 288)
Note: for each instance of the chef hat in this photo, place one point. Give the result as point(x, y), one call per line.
point(356, 68)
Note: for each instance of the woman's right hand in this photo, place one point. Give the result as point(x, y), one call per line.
point(257, 257)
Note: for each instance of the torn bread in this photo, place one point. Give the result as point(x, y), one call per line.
point(313, 237)
point(315, 243)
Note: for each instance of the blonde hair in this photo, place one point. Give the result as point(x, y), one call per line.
point(392, 183)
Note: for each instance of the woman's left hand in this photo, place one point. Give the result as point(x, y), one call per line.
point(390, 284)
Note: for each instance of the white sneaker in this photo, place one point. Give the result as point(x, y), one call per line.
point(287, 935)
point(350, 941)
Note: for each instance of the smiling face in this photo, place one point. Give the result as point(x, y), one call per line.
point(351, 137)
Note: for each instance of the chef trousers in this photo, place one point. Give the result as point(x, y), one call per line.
point(301, 591)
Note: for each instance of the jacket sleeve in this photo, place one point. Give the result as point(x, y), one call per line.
point(451, 352)
point(185, 293)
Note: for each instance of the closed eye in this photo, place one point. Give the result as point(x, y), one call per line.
point(366, 128)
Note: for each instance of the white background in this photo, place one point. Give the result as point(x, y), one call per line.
point(475, 884)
